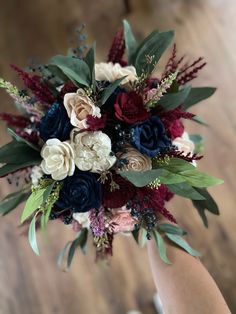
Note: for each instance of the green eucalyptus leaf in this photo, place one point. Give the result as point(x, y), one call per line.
point(198, 94)
point(10, 168)
point(173, 100)
point(83, 240)
point(142, 239)
point(90, 60)
point(207, 204)
point(185, 190)
point(75, 69)
point(32, 236)
point(161, 247)
point(18, 153)
point(198, 143)
point(107, 92)
point(178, 240)
point(35, 200)
point(62, 255)
point(199, 120)
point(130, 41)
point(79, 241)
point(12, 201)
point(21, 139)
point(154, 45)
point(200, 179)
point(169, 228)
point(135, 234)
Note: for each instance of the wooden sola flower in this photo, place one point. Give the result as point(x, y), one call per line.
point(103, 147)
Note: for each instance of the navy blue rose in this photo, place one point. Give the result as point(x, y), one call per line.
point(55, 124)
point(149, 137)
point(80, 192)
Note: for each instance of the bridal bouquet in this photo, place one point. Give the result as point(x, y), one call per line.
point(102, 146)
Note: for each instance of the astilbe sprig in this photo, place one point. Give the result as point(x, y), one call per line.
point(117, 49)
point(35, 84)
point(187, 72)
point(174, 153)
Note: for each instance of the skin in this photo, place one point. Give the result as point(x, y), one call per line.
point(185, 286)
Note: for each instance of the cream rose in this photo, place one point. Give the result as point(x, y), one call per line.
point(92, 151)
point(79, 106)
point(82, 219)
point(184, 143)
point(58, 159)
point(111, 72)
point(136, 160)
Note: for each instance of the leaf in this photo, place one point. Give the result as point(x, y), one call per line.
point(207, 204)
point(135, 234)
point(172, 100)
point(130, 41)
point(140, 179)
point(19, 153)
point(183, 244)
point(35, 200)
point(83, 240)
point(142, 239)
point(90, 60)
point(74, 68)
point(10, 168)
point(169, 228)
point(199, 120)
point(161, 247)
point(21, 139)
point(198, 143)
point(12, 201)
point(154, 46)
point(32, 236)
point(79, 241)
point(198, 94)
point(200, 179)
point(185, 190)
point(62, 255)
point(107, 92)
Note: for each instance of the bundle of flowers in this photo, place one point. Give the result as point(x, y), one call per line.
point(102, 146)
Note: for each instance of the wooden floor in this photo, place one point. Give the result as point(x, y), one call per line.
point(41, 28)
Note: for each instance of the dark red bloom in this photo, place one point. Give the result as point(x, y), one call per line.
point(117, 49)
point(35, 84)
point(130, 109)
point(96, 123)
point(119, 197)
point(15, 120)
point(69, 87)
point(176, 129)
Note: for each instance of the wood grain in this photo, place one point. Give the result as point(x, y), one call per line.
point(39, 29)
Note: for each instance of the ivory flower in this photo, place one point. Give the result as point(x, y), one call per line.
point(184, 143)
point(82, 219)
point(58, 159)
point(136, 160)
point(111, 72)
point(36, 174)
point(92, 151)
point(79, 106)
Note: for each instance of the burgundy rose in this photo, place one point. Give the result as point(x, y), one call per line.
point(118, 197)
point(129, 108)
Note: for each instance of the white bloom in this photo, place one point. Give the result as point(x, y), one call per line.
point(92, 151)
point(184, 144)
point(136, 160)
point(58, 159)
point(111, 72)
point(36, 174)
point(79, 106)
point(82, 219)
